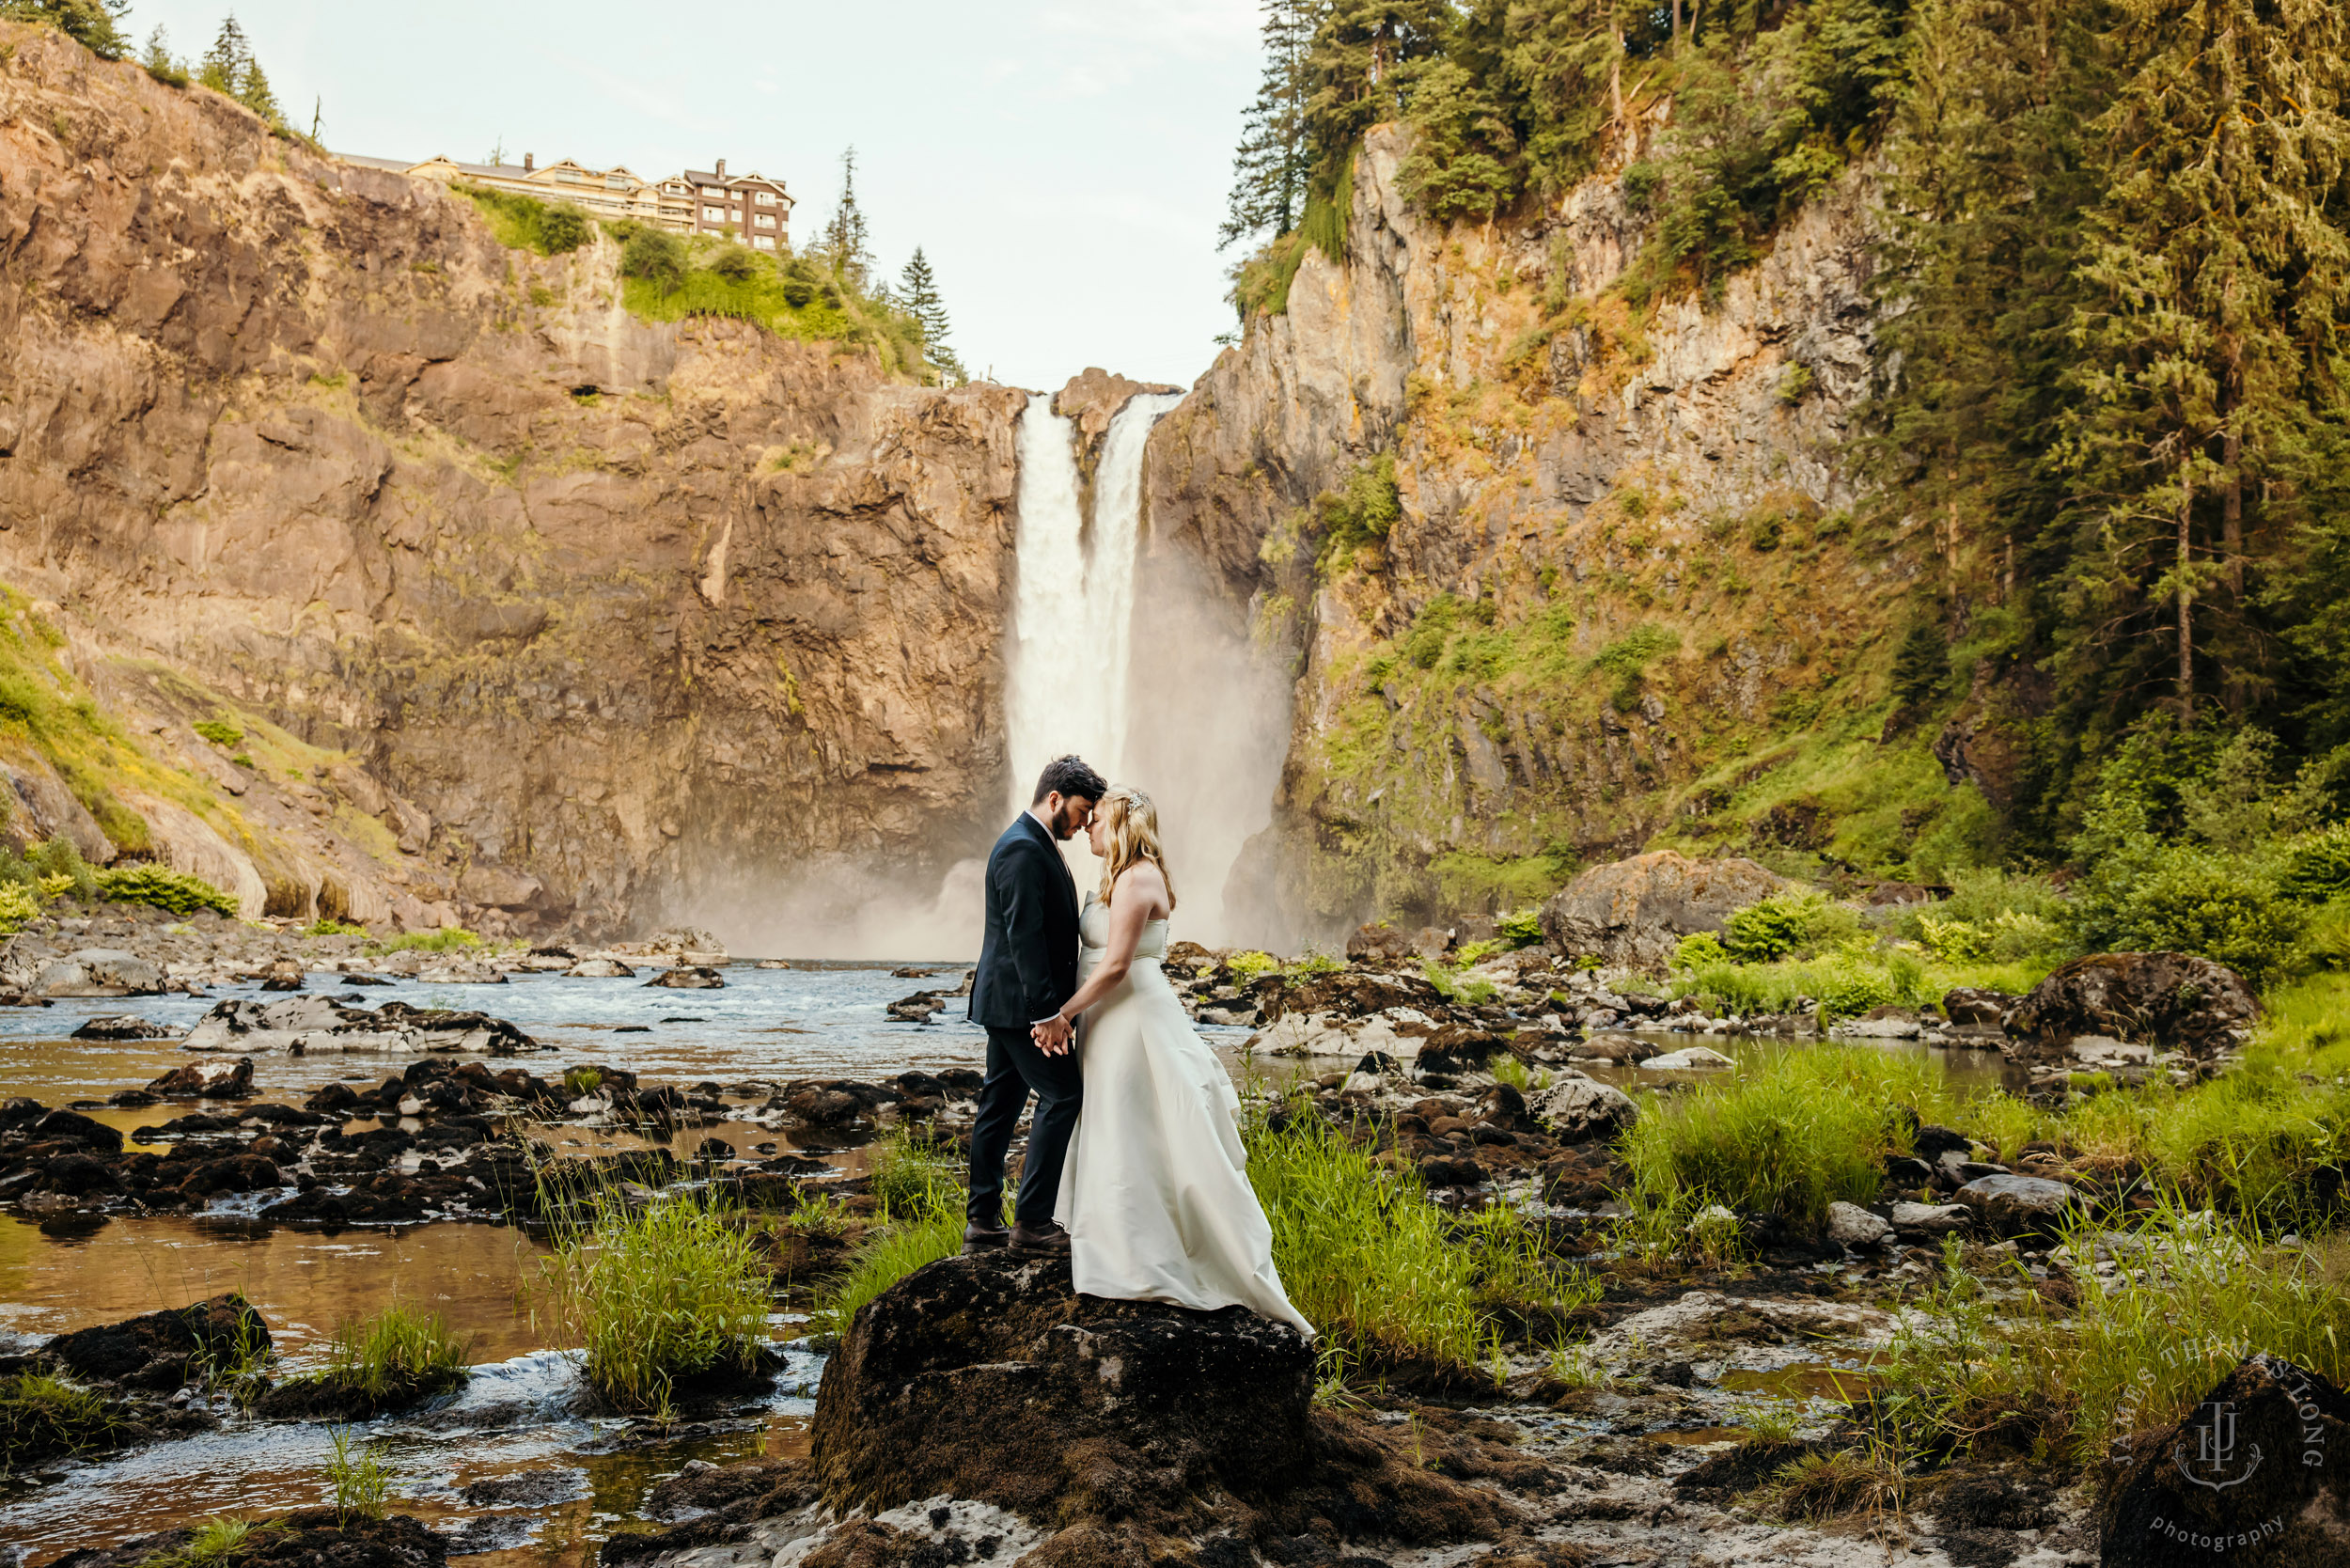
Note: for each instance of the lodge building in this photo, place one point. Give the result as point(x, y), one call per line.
point(750, 207)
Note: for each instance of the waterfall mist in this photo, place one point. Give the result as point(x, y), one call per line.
point(1130, 657)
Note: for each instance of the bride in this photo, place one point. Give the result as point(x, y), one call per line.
point(1154, 1196)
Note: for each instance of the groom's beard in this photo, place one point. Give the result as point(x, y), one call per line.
point(1071, 820)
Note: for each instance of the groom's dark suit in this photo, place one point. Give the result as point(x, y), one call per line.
point(1027, 968)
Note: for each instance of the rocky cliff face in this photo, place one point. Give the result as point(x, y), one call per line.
point(1624, 576)
point(539, 608)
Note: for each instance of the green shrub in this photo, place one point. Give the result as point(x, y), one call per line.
point(2182, 897)
point(656, 255)
point(675, 1289)
point(2317, 865)
point(1521, 928)
point(447, 939)
point(325, 927)
point(1787, 923)
point(1247, 966)
point(18, 906)
point(1792, 1132)
point(220, 732)
point(176, 892)
point(526, 223)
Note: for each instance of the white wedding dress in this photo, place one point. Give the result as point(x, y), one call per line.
point(1155, 1195)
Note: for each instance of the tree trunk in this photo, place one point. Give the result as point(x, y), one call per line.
point(2187, 597)
point(1615, 81)
point(1676, 33)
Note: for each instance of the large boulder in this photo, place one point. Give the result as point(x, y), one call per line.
point(2020, 1206)
point(1637, 911)
point(990, 1378)
point(306, 1538)
point(312, 1024)
point(218, 1078)
point(163, 1351)
point(2163, 1000)
point(2258, 1474)
point(99, 972)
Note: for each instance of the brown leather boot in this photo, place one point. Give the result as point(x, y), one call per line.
point(980, 1238)
point(1049, 1242)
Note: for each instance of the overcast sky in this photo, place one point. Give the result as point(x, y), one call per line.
point(1063, 163)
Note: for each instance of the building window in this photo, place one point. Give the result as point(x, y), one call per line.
point(764, 241)
point(713, 192)
point(766, 198)
point(713, 214)
point(766, 220)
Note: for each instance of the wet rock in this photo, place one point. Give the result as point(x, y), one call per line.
point(1622, 1049)
point(307, 1538)
point(919, 1398)
point(1379, 940)
point(694, 976)
point(316, 1024)
point(600, 968)
point(207, 1080)
point(283, 975)
point(1931, 1219)
point(123, 1026)
point(2259, 1473)
point(72, 1128)
point(157, 1351)
point(1637, 911)
point(1689, 1059)
point(1973, 1005)
point(1850, 1225)
point(2020, 1206)
point(232, 1173)
point(1578, 1107)
point(99, 972)
point(530, 1488)
point(920, 1007)
point(2164, 1000)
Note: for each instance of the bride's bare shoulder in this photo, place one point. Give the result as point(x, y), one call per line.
point(1142, 881)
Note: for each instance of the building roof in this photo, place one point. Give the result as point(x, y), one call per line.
point(708, 177)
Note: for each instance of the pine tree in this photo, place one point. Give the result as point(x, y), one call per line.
point(95, 24)
point(224, 64)
point(2219, 271)
point(917, 296)
point(1270, 165)
point(844, 241)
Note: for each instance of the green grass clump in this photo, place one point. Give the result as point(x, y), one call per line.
point(327, 927)
point(397, 1353)
point(220, 731)
point(362, 1484)
point(178, 891)
point(447, 939)
point(1247, 966)
point(1792, 1132)
point(675, 1289)
point(911, 1180)
point(41, 1417)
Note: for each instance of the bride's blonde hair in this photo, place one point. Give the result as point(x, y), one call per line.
point(1130, 829)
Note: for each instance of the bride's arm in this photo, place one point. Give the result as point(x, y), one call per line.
point(1132, 903)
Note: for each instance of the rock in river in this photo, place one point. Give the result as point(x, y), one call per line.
point(307, 1538)
point(990, 1378)
point(156, 1351)
point(2258, 1474)
point(1580, 1107)
point(313, 1024)
point(216, 1080)
point(123, 1026)
point(689, 977)
point(1850, 1225)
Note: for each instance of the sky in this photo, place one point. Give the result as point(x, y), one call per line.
point(1062, 163)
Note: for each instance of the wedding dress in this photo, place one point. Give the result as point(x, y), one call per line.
point(1154, 1194)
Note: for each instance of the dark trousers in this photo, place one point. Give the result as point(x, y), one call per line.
point(1015, 1070)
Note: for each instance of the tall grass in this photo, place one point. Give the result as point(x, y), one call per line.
point(916, 1240)
point(657, 1294)
point(447, 939)
point(2190, 1296)
point(1795, 1131)
point(397, 1350)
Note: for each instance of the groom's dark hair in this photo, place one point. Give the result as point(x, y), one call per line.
point(1070, 776)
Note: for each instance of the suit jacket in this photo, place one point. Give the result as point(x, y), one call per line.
point(1029, 959)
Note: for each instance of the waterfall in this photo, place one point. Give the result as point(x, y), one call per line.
point(1070, 679)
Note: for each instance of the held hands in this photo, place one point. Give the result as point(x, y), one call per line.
point(1053, 1035)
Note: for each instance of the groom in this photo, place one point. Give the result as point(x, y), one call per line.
point(1027, 970)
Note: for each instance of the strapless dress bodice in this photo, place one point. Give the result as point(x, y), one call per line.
point(1093, 929)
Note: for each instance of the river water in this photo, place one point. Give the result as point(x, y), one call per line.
point(817, 1019)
